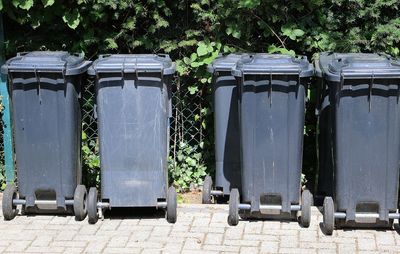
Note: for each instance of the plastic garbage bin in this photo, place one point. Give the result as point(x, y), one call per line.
point(272, 92)
point(226, 126)
point(45, 89)
point(133, 94)
point(360, 95)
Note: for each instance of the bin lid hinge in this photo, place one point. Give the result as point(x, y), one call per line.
point(370, 90)
point(162, 79)
point(37, 76)
point(122, 70)
point(298, 84)
point(270, 88)
point(341, 84)
point(64, 73)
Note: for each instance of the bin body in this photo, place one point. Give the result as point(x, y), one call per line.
point(133, 109)
point(272, 124)
point(226, 123)
point(361, 99)
point(45, 90)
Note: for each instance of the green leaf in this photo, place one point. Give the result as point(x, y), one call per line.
point(202, 49)
point(111, 44)
point(1, 5)
point(47, 3)
point(298, 32)
point(23, 4)
point(193, 89)
point(72, 19)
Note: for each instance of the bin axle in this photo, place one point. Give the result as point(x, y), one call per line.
point(269, 207)
point(42, 202)
point(342, 215)
point(160, 205)
point(217, 193)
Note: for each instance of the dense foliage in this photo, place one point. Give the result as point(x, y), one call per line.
point(195, 32)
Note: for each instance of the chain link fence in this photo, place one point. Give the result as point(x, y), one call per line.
point(189, 137)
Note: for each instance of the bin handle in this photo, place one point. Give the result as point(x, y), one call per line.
point(372, 77)
point(22, 53)
point(270, 73)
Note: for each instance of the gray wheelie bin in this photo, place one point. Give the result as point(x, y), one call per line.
point(133, 96)
point(272, 93)
point(45, 88)
point(360, 96)
point(226, 126)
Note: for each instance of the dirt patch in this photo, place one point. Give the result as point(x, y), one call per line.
point(191, 197)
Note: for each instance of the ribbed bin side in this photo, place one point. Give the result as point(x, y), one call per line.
point(47, 128)
point(272, 122)
point(227, 137)
point(367, 147)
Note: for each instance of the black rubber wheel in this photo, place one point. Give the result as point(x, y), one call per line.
point(92, 206)
point(80, 203)
point(306, 202)
point(206, 193)
point(171, 205)
point(9, 209)
point(329, 216)
point(234, 200)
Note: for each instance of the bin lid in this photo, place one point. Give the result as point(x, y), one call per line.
point(47, 61)
point(133, 63)
point(335, 66)
point(276, 64)
point(226, 62)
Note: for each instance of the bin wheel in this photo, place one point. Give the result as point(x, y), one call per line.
point(9, 209)
point(329, 216)
point(234, 199)
point(80, 203)
point(206, 193)
point(306, 202)
point(171, 205)
point(92, 206)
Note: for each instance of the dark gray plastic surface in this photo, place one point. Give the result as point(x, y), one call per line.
point(46, 62)
point(262, 64)
point(225, 63)
point(47, 129)
point(160, 63)
point(272, 123)
point(360, 116)
point(133, 119)
point(226, 123)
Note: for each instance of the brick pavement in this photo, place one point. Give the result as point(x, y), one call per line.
point(200, 229)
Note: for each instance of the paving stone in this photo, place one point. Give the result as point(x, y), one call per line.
point(366, 244)
point(45, 249)
point(200, 229)
point(212, 238)
point(249, 250)
point(269, 247)
point(346, 248)
point(122, 250)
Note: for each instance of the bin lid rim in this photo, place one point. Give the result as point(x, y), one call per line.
point(275, 64)
point(126, 63)
point(47, 61)
point(335, 66)
point(226, 62)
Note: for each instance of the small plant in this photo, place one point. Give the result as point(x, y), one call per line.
point(188, 168)
point(90, 161)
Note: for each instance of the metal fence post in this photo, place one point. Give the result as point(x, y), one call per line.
point(6, 117)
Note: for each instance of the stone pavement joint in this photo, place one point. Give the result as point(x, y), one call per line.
point(199, 229)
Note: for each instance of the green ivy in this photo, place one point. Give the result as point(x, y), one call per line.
point(187, 169)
